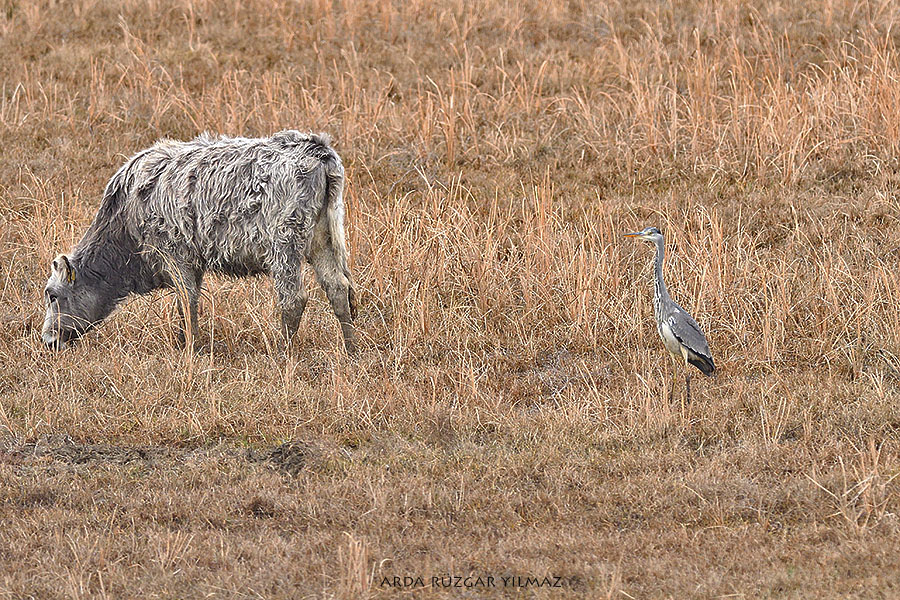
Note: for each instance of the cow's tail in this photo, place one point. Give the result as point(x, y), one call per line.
point(334, 198)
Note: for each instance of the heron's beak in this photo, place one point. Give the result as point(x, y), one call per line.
point(635, 234)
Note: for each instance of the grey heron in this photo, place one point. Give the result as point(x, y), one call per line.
point(679, 331)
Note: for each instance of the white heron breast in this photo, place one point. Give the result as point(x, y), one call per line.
point(671, 342)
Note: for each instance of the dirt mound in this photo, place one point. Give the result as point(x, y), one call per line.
point(64, 449)
point(289, 457)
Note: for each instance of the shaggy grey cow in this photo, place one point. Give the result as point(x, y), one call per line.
point(234, 206)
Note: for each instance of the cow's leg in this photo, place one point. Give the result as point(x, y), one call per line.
point(338, 289)
point(187, 290)
point(292, 297)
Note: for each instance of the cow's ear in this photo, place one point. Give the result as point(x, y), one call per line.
point(63, 266)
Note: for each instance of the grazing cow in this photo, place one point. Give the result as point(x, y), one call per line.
point(234, 206)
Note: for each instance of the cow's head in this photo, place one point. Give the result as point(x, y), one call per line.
point(72, 305)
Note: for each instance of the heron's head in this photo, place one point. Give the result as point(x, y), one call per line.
point(650, 234)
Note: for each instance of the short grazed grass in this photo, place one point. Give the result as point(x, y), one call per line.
point(509, 411)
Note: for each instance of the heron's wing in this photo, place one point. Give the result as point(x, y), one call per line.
point(688, 332)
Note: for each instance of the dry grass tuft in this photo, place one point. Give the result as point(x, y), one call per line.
point(508, 414)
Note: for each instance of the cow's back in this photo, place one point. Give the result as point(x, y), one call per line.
point(225, 204)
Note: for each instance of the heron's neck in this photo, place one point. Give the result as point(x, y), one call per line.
point(659, 286)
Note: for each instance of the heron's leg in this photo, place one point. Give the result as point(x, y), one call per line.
point(687, 387)
point(674, 369)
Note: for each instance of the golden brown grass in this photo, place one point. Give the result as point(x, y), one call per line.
point(508, 413)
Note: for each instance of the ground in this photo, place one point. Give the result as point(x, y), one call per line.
point(510, 413)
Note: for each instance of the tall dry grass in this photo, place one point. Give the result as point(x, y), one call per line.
point(495, 153)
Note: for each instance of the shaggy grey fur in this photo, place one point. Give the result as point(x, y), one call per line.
point(234, 206)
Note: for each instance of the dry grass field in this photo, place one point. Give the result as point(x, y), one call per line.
point(508, 413)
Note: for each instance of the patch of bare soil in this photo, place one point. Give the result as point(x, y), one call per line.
point(289, 457)
point(61, 447)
